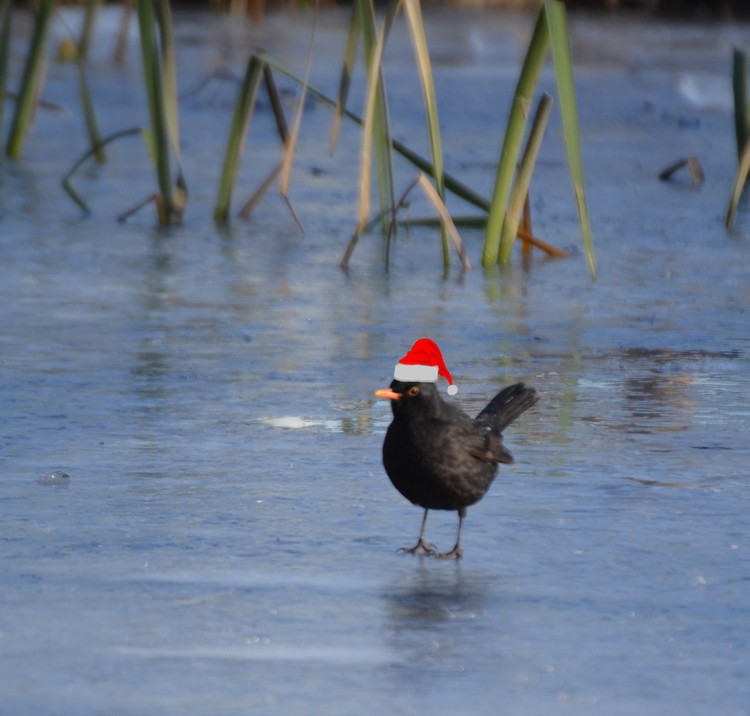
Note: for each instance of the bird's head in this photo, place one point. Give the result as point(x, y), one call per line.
point(411, 398)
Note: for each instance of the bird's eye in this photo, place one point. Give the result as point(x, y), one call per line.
point(413, 392)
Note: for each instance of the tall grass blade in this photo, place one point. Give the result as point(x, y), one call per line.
point(169, 209)
point(91, 9)
point(419, 41)
point(446, 221)
point(157, 135)
point(526, 229)
point(168, 61)
point(739, 88)
point(521, 187)
point(252, 202)
point(243, 111)
point(291, 143)
point(741, 129)
point(281, 126)
point(347, 69)
point(368, 134)
point(31, 82)
point(89, 114)
point(121, 43)
point(551, 30)
point(519, 111)
point(5, 27)
point(557, 25)
point(738, 185)
point(275, 100)
point(376, 127)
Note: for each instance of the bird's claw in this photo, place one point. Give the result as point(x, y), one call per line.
point(455, 553)
point(431, 551)
point(428, 549)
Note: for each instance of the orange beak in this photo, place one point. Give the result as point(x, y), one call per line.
point(388, 393)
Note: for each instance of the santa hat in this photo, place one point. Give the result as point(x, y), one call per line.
point(423, 364)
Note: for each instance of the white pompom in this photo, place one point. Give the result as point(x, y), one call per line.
point(452, 390)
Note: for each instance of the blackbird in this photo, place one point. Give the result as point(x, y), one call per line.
point(438, 457)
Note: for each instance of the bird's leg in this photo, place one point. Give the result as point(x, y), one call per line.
point(421, 542)
point(456, 552)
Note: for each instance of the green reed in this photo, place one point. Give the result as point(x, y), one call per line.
point(550, 33)
point(742, 131)
point(31, 82)
point(5, 10)
point(159, 72)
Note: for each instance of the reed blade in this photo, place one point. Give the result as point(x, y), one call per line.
point(520, 189)
point(522, 98)
point(241, 117)
point(446, 221)
point(256, 197)
point(376, 126)
point(89, 114)
point(168, 63)
point(159, 143)
point(368, 127)
point(291, 143)
point(742, 131)
point(419, 41)
point(550, 31)
point(739, 184)
point(739, 90)
point(5, 34)
point(282, 128)
point(562, 61)
point(31, 81)
point(123, 26)
point(274, 98)
point(91, 9)
point(347, 69)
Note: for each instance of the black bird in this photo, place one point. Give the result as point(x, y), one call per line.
point(438, 457)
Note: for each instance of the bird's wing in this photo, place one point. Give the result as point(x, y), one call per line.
point(490, 448)
point(472, 437)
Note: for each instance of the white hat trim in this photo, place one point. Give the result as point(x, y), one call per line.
point(417, 373)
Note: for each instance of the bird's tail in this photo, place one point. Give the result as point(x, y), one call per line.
point(506, 406)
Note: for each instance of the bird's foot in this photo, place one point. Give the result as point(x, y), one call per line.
point(455, 553)
point(421, 545)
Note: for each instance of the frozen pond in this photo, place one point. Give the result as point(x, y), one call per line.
point(226, 542)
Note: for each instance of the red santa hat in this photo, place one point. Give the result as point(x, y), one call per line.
point(423, 364)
